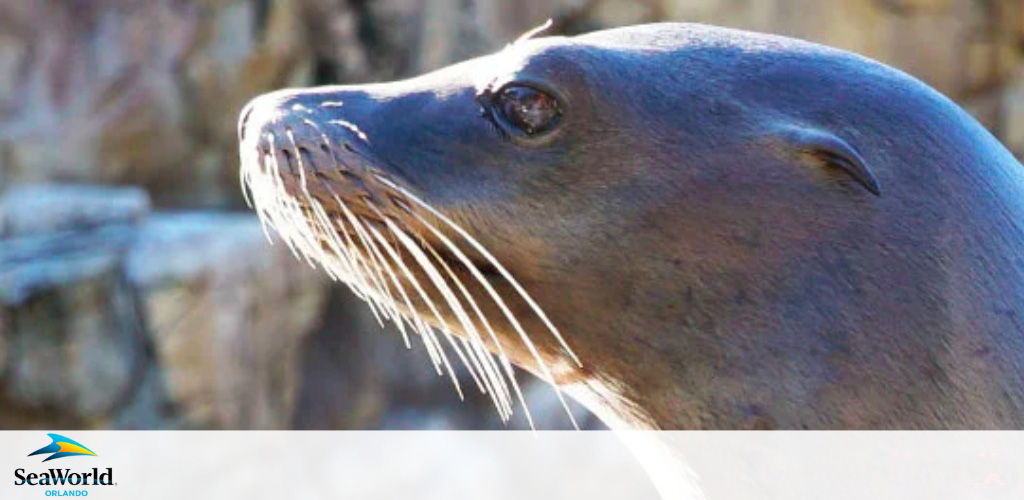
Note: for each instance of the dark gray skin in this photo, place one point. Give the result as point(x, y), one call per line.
point(732, 230)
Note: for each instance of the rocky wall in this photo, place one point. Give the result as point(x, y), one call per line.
point(147, 306)
point(112, 315)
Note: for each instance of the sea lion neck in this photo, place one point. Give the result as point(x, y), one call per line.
point(868, 328)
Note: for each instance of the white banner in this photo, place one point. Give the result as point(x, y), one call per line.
point(511, 465)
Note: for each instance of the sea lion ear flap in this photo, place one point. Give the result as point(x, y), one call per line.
point(826, 147)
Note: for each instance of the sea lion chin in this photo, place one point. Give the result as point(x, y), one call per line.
point(683, 226)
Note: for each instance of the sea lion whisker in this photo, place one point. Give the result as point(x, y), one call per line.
point(314, 126)
point(400, 319)
point(379, 263)
point(259, 188)
point(302, 235)
point(415, 321)
point(475, 365)
point(375, 286)
point(264, 194)
point(473, 355)
point(298, 159)
point(380, 284)
point(358, 282)
point(435, 351)
point(324, 222)
point(439, 284)
point(352, 276)
point(481, 359)
point(500, 394)
point(319, 233)
point(348, 252)
point(260, 212)
point(450, 298)
point(533, 32)
point(249, 156)
point(476, 308)
point(315, 246)
point(524, 337)
point(290, 236)
point(272, 183)
point(284, 216)
point(496, 297)
point(351, 127)
point(393, 253)
point(358, 260)
point(493, 261)
point(285, 208)
point(474, 333)
point(493, 371)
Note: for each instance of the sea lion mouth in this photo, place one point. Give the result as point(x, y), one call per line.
point(313, 178)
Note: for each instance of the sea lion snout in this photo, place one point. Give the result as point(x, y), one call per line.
point(372, 183)
point(303, 137)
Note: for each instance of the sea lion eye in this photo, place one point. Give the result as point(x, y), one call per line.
point(527, 108)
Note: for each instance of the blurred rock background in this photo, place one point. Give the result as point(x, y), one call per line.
point(136, 291)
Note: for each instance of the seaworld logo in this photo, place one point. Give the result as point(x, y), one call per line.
point(62, 447)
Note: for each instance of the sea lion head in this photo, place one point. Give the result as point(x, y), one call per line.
point(637, 212)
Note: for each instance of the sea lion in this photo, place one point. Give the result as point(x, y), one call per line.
point(682, 226)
